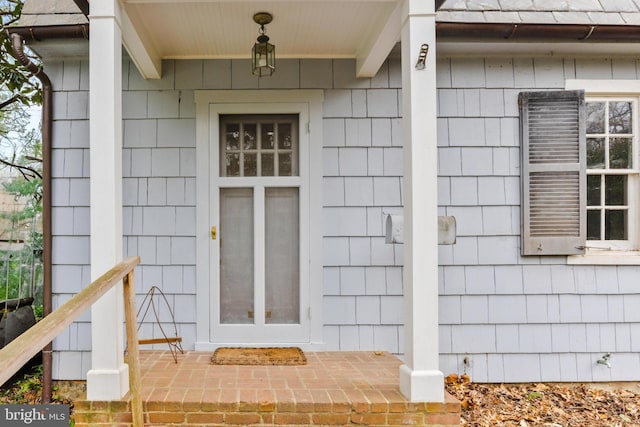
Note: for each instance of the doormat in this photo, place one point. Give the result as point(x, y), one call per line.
point(283, 356)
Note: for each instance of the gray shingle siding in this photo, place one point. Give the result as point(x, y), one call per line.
point(515, 318)
point(362, 181)
point(519, 318)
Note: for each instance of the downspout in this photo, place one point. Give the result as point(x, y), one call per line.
point(47, 118)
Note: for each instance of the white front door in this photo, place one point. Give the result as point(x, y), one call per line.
point(259, 203)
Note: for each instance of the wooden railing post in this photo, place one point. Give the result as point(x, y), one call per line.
point(19, 351)
point(129, 290)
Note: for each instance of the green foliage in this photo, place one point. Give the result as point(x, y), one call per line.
point(534, 395)
point(25, 390)
point(20, 155)
point(16, 81)
point(19, 143)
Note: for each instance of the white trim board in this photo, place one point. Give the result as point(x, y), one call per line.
point(605, 86)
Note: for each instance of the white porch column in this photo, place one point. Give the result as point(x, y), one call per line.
point(420, 378)
point(109, 377)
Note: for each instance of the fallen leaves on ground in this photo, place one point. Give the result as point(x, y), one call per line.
point(547, 405)
point(26, 388)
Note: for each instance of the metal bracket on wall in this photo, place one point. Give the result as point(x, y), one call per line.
point(422, 57)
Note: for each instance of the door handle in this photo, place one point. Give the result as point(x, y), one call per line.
point(213, 232)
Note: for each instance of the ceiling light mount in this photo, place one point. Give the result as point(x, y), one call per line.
point(262, 18)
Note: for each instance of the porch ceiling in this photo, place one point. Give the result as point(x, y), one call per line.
point(365, 30)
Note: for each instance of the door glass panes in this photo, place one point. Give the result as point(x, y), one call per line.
point(256, 145)
point(250, 164)
point(285, 165)
point(285, 136)
point(610, 158)
point(282, 295)
point(232, 164)
point(231, 137)
point(250, 135)
point(236, 255)
point(268, 136)
point(268, 168)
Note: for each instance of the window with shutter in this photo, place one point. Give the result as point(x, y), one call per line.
point(552, 126)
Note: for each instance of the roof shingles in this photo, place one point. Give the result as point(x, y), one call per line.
point(590, 12)
point(517, 5)
point(619, 6)
point(37, 13)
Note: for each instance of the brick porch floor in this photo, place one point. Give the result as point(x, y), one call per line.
point(334, 388)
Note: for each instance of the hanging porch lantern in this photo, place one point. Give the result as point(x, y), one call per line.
point(263, 54)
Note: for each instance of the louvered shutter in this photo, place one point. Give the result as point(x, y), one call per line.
point(553, 174)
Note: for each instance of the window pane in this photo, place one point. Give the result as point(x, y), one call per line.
point(233, 164)
point(620, 153)
point(615, 225)
point(267, 165)
point(284, 135)
point(284, 165)
point(232, 136)
point(593, 225)
point(282, 295)
point(595, 117)
point(250, 164)
point(615, 193)
point(610, 148)
point(593, 190)
point(595, 153)
point(268, 136)
point(619, 117)
point(259, 145)
point(236, 255)
point(250, 136)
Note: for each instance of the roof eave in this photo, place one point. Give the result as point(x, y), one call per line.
point(474, 31)
point(44, 32)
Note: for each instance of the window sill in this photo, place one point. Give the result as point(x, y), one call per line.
point(605, 258)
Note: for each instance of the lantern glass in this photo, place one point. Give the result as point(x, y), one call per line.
point(263, 58)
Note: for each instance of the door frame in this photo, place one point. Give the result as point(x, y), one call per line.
point(210, 104)
point(272, 334)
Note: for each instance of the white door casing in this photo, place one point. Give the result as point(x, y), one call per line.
point(211, 105)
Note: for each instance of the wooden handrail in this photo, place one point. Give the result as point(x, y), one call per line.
point(19, 351)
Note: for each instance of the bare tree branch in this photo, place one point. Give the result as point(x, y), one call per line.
point(9, 101)
point(23, 170)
